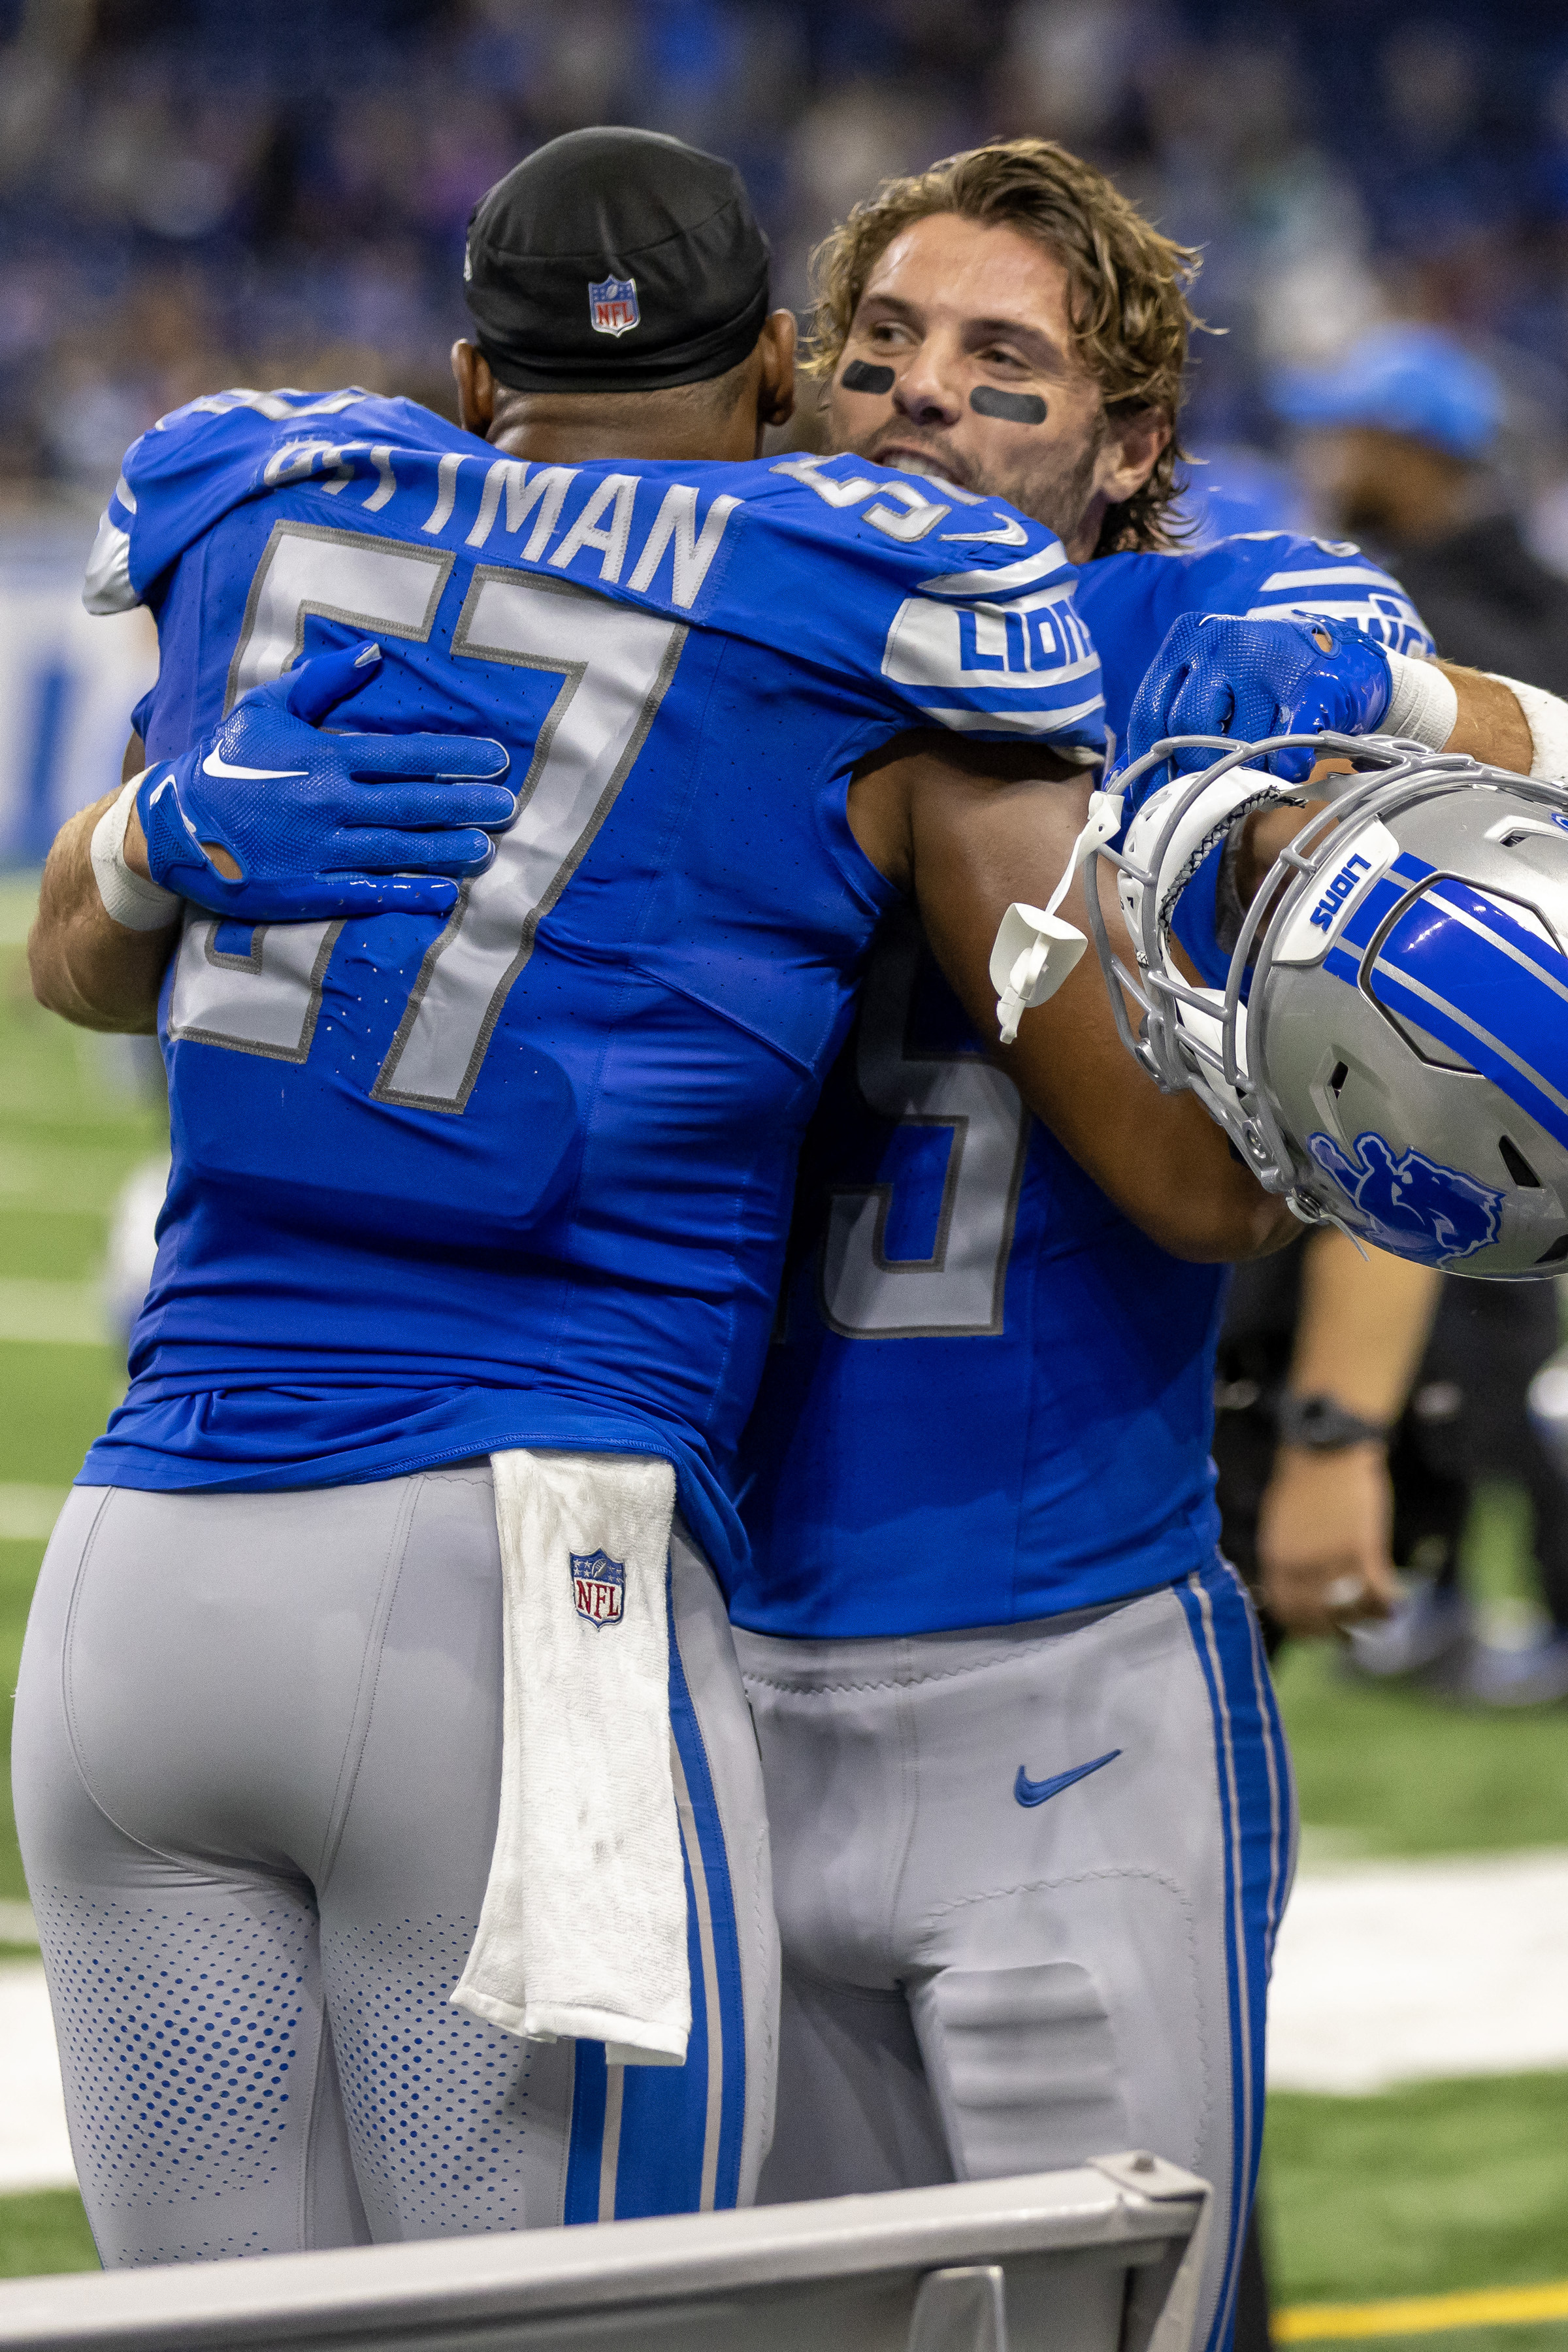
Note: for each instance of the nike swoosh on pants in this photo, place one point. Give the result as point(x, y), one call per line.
point(1034, 1792)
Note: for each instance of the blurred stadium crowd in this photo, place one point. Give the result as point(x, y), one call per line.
point(202, 192)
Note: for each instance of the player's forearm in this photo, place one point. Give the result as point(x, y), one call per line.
point(1326, 1521)
point(1362, 1326)
point(1490, 726)
point(1159, 1157)
point(84, 965)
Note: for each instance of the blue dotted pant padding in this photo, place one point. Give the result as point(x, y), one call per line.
point(437, 2102)
point(256, 1760)
point(187, 2037)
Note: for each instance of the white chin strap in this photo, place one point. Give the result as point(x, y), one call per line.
point(1035, 950)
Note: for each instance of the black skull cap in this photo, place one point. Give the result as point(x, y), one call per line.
point(616, 260)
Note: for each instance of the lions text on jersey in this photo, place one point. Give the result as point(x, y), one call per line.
point(521, 1178)
point(896, 1484)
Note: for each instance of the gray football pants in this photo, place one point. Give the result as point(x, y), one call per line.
point(1028, 1881)
point(257, 1763)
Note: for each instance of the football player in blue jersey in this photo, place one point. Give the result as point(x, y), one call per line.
point(1030, 1801)
point(356, 1656)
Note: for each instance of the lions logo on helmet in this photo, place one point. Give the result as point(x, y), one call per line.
point(1390, 1050)
point(1413, 1207)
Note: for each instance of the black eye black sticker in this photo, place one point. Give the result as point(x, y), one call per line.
point(1013, 407)
point(861, 376)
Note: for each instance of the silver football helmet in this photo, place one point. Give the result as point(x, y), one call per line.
point(1390, 1051)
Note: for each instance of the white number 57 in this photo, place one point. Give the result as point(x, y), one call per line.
point(615, 665)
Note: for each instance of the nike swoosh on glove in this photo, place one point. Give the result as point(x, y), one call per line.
point(322, 824)
point(1218, 674)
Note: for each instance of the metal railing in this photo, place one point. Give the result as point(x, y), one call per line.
point(1104, 2258)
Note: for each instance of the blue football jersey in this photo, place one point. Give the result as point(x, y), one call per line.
point(990, 1396)
point(524, 1177)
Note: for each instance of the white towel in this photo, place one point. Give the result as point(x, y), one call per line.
point(583, 1929)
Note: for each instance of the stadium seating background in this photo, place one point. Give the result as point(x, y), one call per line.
point(199, 191)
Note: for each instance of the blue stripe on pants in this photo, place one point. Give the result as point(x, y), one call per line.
point(679, 2128)
point(1257, 1812)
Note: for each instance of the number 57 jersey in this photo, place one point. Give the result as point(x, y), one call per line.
point(523, 1177)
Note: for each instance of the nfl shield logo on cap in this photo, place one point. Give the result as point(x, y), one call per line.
point(599, 1588)
point(613, 305)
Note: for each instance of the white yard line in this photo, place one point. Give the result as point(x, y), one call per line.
point(1401, 1971)
point(28, 1514)
point(35, 2151)
point(70, 1314)
point(18, 905)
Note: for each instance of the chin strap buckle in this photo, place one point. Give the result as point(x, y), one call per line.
point(1034, 948)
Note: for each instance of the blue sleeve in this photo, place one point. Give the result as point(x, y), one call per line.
point(953, 610)
point(1277, 575)
point(197, 463)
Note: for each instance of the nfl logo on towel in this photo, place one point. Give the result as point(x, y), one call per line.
point(599, 1587)
point(613, 305)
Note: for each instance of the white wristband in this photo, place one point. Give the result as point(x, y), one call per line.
point(1547, 719)
point(130, 900)
point(1422, 707)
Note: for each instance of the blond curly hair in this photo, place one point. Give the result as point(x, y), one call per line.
point(1127, 287)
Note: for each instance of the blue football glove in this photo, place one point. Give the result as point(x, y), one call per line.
point(321, 825)
point(1215, 675)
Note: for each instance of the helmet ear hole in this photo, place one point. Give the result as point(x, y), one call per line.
point(1556, 1253)
point(1523, 1174)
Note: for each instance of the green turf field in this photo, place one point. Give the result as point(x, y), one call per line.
point(1392, 1772)
point(45, 2230)
point(1420, 2190)
point(74, 1126)
point(1434, 2187)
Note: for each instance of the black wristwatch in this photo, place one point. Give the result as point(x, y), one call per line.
point(1321, 1425)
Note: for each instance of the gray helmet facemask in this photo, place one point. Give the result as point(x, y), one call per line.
point(1399, 1062)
